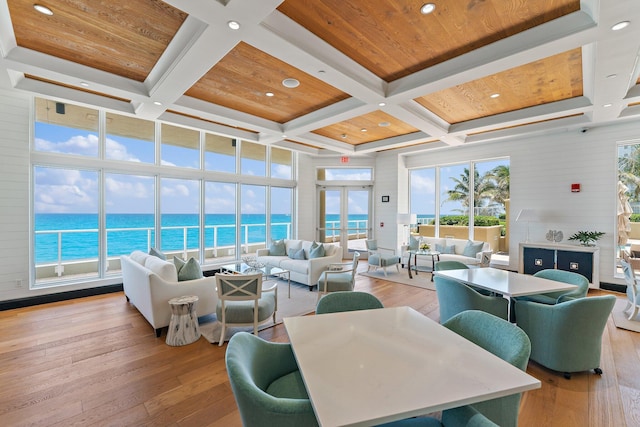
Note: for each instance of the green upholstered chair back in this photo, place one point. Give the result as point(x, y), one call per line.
point(347, 301)
point(455, 297)
point(267, 384)
point(565, 277)
point(566, 337)
point(449, 265)
point(505, 340)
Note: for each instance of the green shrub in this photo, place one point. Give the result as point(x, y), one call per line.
point(635, 217)
point(463, 220)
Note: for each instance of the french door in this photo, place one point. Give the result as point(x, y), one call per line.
point(344, 217)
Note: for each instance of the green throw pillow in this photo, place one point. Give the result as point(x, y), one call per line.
point(413, 244)
point(444, 249)
point(277, 248)
point(316, 252)
point(189, 270)
point(472, 248)
point(159, 254)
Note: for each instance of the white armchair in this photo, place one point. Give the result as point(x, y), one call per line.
point(339, 277)
point(379, 259)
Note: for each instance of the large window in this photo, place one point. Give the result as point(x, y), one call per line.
point(447, 199)
point(88, 212)
point(180, 147)
point(129, 138)
point(66, 221)
point(66, 128)
point(628, 199)
point(130, 215)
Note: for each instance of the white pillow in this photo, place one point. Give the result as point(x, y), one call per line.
point(139, 257)
point(164, 269)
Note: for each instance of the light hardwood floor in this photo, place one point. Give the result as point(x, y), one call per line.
point(96, 361)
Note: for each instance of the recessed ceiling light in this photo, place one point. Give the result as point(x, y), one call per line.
point(612, 76)
point(363, 130)
point(269, 93)
point(494, 95)
point(234, 25)
point(427, 8)
point(84, 84)
point(344, 135)
point(384, 124)
point(284, 136)
point(382, 104)
point(607, 105)
point(157, 103)
point(620, 25)
point(290, 83)
point(43, 9)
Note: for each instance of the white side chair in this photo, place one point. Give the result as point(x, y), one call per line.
point(633, 290)
point(339, 277)
point(378, 259)
point(242, 302)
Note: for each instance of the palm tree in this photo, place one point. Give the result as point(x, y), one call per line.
point(500, 176)
point(483, 188)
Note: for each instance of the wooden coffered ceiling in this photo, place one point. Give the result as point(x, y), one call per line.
point(373, 75)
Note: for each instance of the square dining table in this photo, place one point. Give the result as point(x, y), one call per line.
point(507, 283)
point(368, 367)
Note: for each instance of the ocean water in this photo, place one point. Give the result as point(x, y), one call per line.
point(76, 235)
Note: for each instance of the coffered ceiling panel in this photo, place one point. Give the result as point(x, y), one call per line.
point(243, 79)
point(121, 37)
point(393, 39)
point(548, 80)
point(367, 128)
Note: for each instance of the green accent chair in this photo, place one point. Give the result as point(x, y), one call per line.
point(267, 383)
point(449, 265)
point(633, 290)
point(379, 259)
point(457, 265)
point(455, 297)
point(463, 416)
point(566, 337)
point(243, 302)
point(505, 340)
point(347, 301)
point(339, 277)
point(560, 296)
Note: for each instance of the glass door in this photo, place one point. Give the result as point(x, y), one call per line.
point(344, 218)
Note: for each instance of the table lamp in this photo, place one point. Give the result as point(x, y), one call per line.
point(527, 215)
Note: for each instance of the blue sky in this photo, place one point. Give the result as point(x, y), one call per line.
point(61, 190)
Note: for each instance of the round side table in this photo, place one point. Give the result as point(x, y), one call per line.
point(183, 326)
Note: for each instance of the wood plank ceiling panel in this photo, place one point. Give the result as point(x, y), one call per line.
point(548, 80)
point(393, 39)
point(370, 127)
point(123, 37)
point(242, 79)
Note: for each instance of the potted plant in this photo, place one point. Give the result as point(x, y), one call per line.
point(587, 238)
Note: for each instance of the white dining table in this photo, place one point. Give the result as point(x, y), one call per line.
point(507, 283)
point(367, 367)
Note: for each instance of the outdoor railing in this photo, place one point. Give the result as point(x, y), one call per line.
point(184, 248)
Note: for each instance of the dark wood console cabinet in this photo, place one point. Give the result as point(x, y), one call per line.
point(584, 260)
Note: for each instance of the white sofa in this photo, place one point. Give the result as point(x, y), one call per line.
point(149, 283)
point(305, 271)
point(458, 246)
